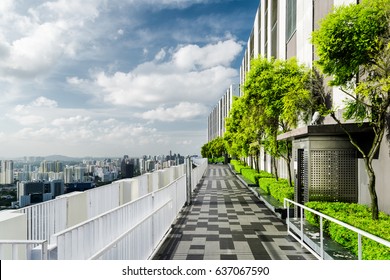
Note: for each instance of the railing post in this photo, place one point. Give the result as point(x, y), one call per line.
point(44, 251)
point(153, 216)
point(287, 206)
point(321, 238)
point(188, 180)
point(301, 224)
point(360, 251)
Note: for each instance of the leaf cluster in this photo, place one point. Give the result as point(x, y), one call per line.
point(349, 37)
point(214, 149)
point(276, 97)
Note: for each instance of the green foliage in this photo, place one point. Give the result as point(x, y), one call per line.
point(353, 46)
point(276, 95)
point(214, 148)
point(216, 160)
point(237, 139)
point(279, 189)
point(238, 165)
point(251, 174)
point(358, 216)
point(349, 38)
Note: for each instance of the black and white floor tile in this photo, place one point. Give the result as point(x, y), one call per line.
point(227, 222)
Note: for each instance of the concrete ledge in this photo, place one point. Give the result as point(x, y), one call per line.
point(274, 205)
point(245, 181)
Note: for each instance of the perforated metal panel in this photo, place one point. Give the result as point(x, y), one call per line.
point(333, 176)
point(302, 178)
point(302, 182)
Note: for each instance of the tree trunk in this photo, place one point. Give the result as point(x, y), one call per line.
point(288, 161)
point(371, 188)
point(273, 159)
point(367, 158)
point(258, 162)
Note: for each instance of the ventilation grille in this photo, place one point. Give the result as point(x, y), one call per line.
point(333, 176)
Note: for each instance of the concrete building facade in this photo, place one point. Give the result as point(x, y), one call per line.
point(282, 29)
point(216, 119)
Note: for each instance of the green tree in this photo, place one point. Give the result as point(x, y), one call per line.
point(213, 149)
point(353, 48)
point(236, 139)
point(278, 89)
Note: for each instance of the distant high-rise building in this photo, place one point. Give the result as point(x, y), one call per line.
point(216, 120)
point(127, 167)
point(68, 175)
point(79, 174)
point(7, 172)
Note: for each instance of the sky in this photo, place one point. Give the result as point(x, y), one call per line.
point(113, 77)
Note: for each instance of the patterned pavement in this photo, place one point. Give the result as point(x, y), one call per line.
point(227, 222)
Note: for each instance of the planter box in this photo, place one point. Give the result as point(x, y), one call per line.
point(271, 203)
point(311, 236)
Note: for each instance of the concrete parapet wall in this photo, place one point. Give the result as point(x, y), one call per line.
point(13, 226)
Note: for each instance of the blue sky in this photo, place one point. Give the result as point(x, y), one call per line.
point(115, 77)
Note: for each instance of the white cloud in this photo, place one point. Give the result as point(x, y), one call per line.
point(33, 113)
point(40, 38)
point(72, 121)
point(182, 111)
point(193, 74)
point(44, 102)
point(68, 87)
point(222, 53)
point(160, 55)
point(160, 4)
point(27, 120)
point(75, 80)
point(6, 5)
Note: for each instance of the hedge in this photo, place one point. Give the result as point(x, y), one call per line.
point(216, 160)
point(358, 216)
point(278, 189)
point(237, 165)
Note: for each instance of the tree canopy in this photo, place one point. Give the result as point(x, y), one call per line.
point(275, 96)
point(353, 45)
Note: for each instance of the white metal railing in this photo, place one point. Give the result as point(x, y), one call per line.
point(45, 219)
point(130, 231)
point(102, 199)
point(23, 250)
point(49, 221)
point(198, 172)
point(322, 216)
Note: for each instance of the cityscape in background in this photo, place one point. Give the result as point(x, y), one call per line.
point(34, 179)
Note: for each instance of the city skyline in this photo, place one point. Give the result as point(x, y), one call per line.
point(105, 78)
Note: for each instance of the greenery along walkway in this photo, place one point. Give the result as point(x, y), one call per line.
point(354, 214)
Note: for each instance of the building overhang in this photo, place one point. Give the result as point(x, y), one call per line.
point(362, 134)
point(359, 130)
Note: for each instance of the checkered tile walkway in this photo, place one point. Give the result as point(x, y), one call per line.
point(226, 222)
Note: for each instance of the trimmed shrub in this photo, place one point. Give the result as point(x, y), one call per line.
point(358, 216)
point(238, 165)
point(217, 160)
point(250, 174)
point(278, 189)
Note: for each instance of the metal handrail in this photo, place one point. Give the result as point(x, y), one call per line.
point(14, 245)
point(323, 216)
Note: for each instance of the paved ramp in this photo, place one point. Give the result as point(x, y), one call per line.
point(227, 222)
